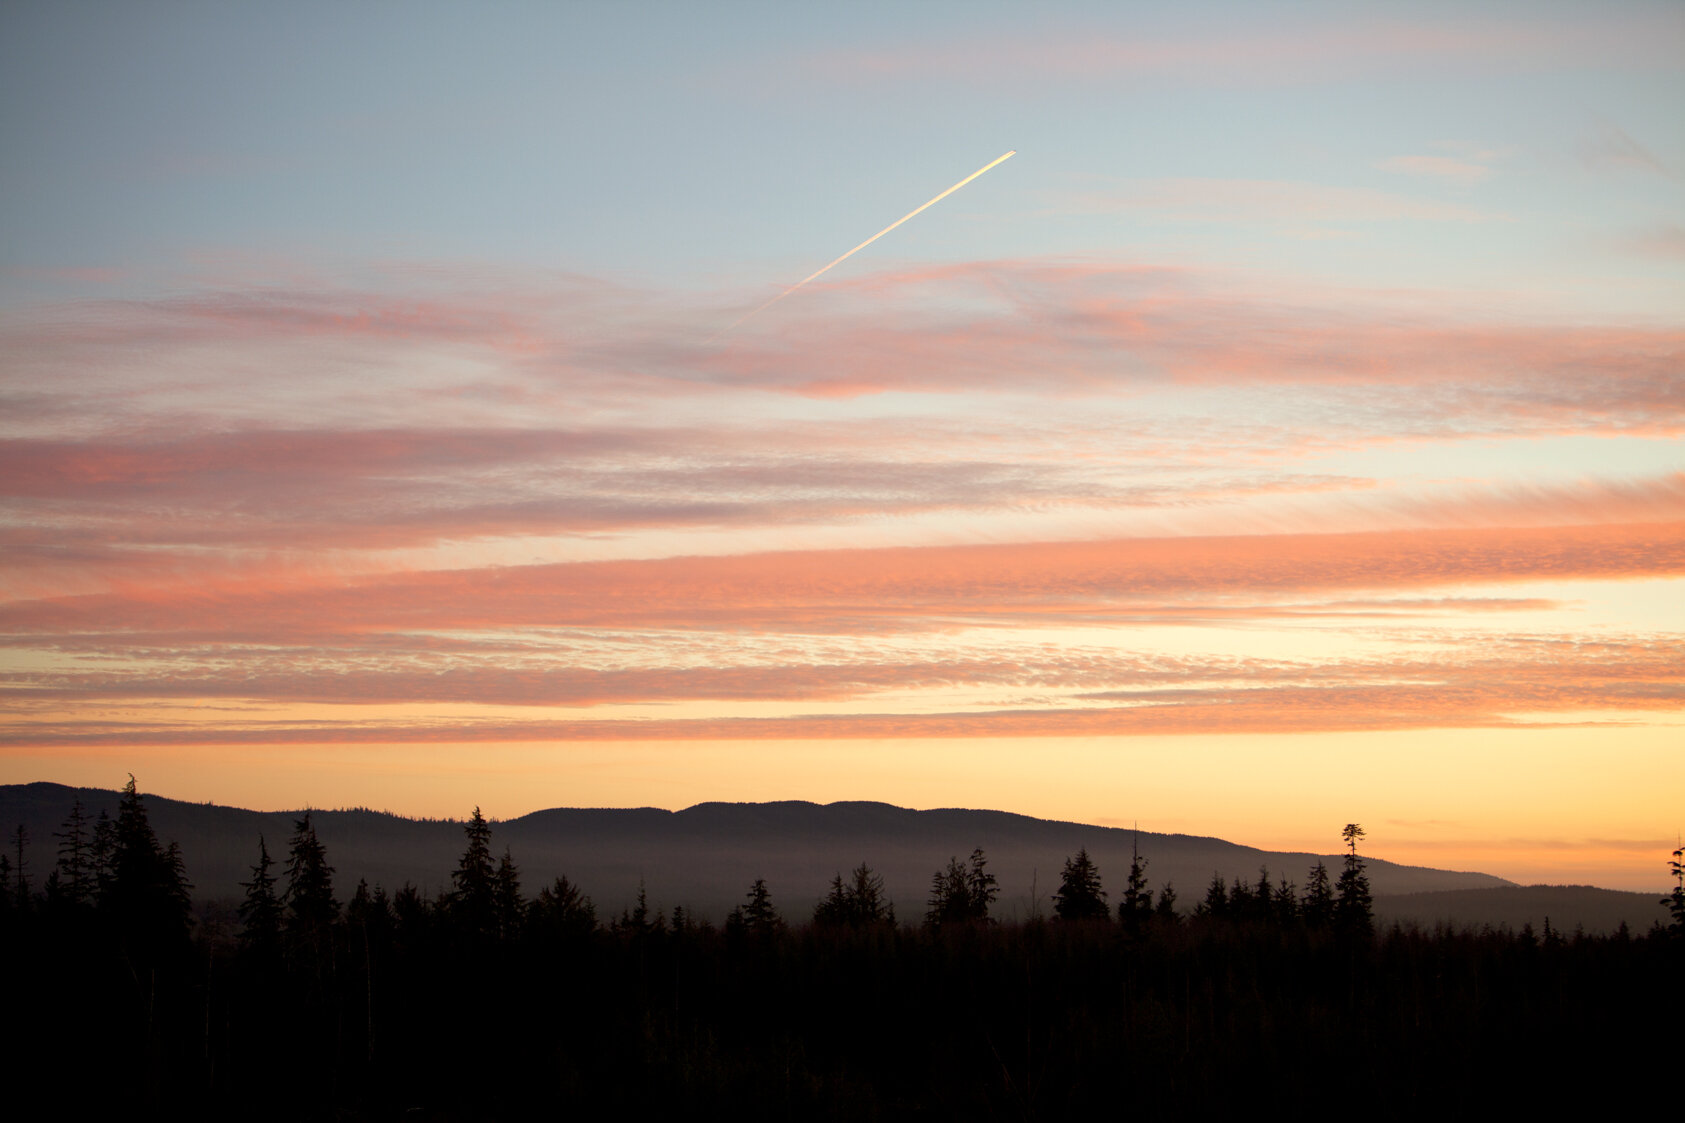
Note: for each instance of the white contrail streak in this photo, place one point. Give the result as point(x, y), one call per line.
point(820, 271)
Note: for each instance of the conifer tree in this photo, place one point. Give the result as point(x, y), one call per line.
point(1240, 900)
point(1317, 904)
point(962, 893)
point(1216, 902)
point(1137, 903)
point(473, 901)
point(1263, 898)
point(178, 891)
point(980, 886)
point(1286, 905)
point(1165, 911)
point(950, 899)
point(759, 917)
point(311, 909)
point(369, 909)
point(856, 903)
point(638, 921)
point(867, 903)
point(410, 912)
point(1353, 906)
point(144, 891)
point(1080, 896)
point(561, 911)
point(506, 897)
point(832, 911)
point(260, 912)
point(75, 858)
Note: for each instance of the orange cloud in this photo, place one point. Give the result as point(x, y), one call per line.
point(868, 590)
point(1279, 710)
point(1506, 673)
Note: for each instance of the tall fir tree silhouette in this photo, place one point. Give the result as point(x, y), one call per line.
point(311, 909)
point(758, 917)
point(1317, 904)
point(1080, 896)
point(260, 912)
point(75, 857)
point(1137, 903)
point(473, 902)
point(144, 891)
point(508, 906)
point(1353, 906)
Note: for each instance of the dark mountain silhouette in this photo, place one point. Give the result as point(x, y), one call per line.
point(1565, 907)
point(705, 857)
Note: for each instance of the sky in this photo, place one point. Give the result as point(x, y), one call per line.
point(1288, 435)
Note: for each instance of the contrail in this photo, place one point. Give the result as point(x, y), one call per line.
point(821, 271)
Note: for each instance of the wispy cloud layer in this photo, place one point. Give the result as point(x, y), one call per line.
point(1343, 50)
point(1437, 167)
point(167, 545)
point(798, 630)
point(1070, 329)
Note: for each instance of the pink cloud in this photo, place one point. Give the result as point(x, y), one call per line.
point(382, 489)
point(862, 591)
point(1468, 701)
point(1087, 332)
point(1072, 331)
point(1516, 673)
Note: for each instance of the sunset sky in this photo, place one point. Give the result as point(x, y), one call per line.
point(1288, 435)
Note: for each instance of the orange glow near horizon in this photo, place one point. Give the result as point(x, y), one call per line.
point(1497, 814)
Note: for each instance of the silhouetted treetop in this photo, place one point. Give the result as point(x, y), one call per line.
point(260, 912)
point(75, 857)
point(144, 889)
point(962, 893)
point(310, 905)
point(1080, 896)
point(473, 901)
point(1354, 912)
point(757, 917)
point(856, 903)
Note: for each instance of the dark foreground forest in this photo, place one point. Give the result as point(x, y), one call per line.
point(487, 1003)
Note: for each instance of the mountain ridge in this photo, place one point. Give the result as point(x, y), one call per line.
point(705, 856)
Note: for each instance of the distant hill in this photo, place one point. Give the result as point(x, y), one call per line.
point(705, 857)
point(1566, 907)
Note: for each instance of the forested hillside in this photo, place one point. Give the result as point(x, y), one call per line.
point(496, 998)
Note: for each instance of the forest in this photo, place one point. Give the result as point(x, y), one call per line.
point(487, 1002)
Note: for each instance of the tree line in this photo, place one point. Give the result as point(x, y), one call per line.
point(483, 1001)
point(118, 870)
